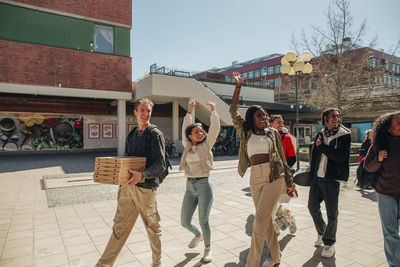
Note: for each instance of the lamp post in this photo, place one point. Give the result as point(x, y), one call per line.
point(293, 65)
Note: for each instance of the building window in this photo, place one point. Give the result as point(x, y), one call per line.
point(277, 68)
point(374, 62)
point(257, 73)
point(103, 39)
point(389, 79)
point(245, 76)
point(270, 70)
point(278, 82)
point(251, 74)
point(264, 71)
point(313, 83)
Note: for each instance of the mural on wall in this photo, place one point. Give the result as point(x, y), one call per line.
point(22, 131)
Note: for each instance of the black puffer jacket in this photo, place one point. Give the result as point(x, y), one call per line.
point(149, 143)
point(338, 154)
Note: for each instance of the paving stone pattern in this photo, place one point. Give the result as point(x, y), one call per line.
point(32, 234)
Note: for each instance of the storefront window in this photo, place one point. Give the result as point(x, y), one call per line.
point(23, 131)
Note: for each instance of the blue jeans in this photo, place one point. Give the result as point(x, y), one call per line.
point(325, 190)
point(198, 193)
point(389, 211)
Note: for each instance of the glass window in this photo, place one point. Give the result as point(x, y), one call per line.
point(389, 79)
point(257, 73)
point(245, 76)
point(277, 69)
point(251, 75)
point(270, 70)
point(270, 83)
point(314, 83)
point(103, 39)
point(264, 71)
point(374, 62)
point(308, 131)
point(278, 82)
point(301, 132)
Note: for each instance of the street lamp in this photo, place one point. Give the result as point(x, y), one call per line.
point(293, 65)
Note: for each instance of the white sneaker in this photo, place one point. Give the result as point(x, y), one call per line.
point(207, 255)
point(319, 241)
point(195, 241)
point(293, 227)
point(328, 251)
point(268, 263)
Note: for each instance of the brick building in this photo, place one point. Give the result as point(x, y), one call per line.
point(374, 85)
point(65, 75)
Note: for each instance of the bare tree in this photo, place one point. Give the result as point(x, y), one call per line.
point(342, 73)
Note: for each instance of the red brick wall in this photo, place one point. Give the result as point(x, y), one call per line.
point(25, 63)
point(119, 11)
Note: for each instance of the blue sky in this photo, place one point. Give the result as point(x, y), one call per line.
point(199, 35)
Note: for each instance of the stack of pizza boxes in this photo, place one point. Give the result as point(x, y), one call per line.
point(115, 170)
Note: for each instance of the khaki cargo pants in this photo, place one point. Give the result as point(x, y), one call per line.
point(132, 201)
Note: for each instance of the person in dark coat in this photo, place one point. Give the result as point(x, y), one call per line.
point(329, 165)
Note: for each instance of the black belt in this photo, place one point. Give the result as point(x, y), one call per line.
point(193, 179)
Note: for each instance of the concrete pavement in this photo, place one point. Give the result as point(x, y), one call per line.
point(32, 234)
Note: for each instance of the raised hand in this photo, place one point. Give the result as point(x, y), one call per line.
point(211, 104)
point(238, 78)
point(192, 104)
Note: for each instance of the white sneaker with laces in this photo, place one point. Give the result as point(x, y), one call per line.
point(319, 241)
point(195, 241)
point(207, 255)
point(328, 251)
point(268, 263)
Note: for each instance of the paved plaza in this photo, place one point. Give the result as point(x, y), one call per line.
point(32, 234)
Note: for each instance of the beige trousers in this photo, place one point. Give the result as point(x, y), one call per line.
point(265, 196)
point(132, 201)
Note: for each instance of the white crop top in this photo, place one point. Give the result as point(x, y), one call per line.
point(257, 144)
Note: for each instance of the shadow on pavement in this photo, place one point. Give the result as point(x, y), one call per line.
point(284, 241)
point(242, 260)
point(371, 195)
point(247, 189)
point(189, 257)
point(317, 259)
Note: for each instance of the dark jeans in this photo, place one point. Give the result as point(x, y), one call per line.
point(324, 190)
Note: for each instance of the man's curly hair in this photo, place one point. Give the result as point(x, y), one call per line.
point(381, 129)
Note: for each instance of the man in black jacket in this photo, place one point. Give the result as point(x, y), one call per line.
point(138, 195)
point(329, 165)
